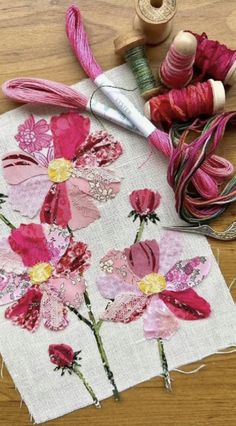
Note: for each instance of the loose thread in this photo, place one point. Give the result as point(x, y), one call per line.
point(189, 372)
point(226, 352)
point(2, 367)
point(232, 284)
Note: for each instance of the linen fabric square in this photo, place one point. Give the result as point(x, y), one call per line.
point(132, 358)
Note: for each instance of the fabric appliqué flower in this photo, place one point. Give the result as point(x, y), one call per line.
point(59, 174)
point(44, 275)
point(149, 290)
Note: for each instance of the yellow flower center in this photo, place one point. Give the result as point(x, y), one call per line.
point(152, 283)
point(59, 170)
point(40, 272)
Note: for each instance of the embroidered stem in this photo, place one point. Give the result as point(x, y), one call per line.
point(96, 326)
point(6, 221)
point(87, 385)
point(140, 231)
point(164, 364)
point(81, 317)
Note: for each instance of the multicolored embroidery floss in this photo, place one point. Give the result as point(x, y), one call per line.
point(193, 101)
point(206, 178)
point(154, 19)
point(215, 60)
point(39, 91)
point(66, 359)
point(176, 70)
point(131, 45)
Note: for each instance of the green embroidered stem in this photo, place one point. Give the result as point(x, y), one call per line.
point(81, 317)
point(140, 231)
point(164, 364)
point(6, 221)
point(77, 371)
point(96, 326)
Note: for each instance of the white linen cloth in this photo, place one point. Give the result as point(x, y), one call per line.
point(132, 358)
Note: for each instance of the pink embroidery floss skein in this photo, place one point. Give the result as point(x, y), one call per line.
point(39, 91)
point(176, 70)
point(211, 170)
point(193, 101)
point(215, 60)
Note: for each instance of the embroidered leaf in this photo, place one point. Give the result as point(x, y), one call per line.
point(19, 166)
point(188, 273)
point(158, 320)
point(28, 196)
point(186, 304)
point(111, 286)
point(170, 250)
point(127, 307)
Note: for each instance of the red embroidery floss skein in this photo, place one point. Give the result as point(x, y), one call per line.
point(206, 98)
point(215, 60)
point(176, 70)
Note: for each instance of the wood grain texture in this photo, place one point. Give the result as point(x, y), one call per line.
point(33, 43)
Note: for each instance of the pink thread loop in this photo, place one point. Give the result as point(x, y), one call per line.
point(40, 91)
point(176, 70)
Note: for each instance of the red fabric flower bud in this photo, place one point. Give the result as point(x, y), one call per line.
point(61, 355)
point(144, 201)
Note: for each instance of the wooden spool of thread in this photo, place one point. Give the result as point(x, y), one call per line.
point(154, 19)
point(176, 70)
point(132, 47)
point(206, 98)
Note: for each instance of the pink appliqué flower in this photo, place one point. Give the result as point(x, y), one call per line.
point(152, 289)
point(144, 201)
point(49, 277)
point(62, 180)
point(32, 136)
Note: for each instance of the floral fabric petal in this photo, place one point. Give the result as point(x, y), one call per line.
point(101, 184)
point(69, 131)
point(110, 287)
point(158, 320)
point(171, 247)
point(27, 197)
point(70, 290)
point(26, 311)
point(32, 136)
point(53, 312)
point(143, 257)
point(115, 264)
point(100, 149)
point(83, 210)
point(9, 260)
point(19, 166)
point(127, 307)
point(75, 259)
point(186, 304)
point(12, 286)
point(58, 240)
point(30, 243)
point(188, 273)
point(56, 207)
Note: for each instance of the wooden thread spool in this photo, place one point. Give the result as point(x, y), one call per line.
point(218, 93)
point(176, 70)
point(132, 47)
point(154, 19)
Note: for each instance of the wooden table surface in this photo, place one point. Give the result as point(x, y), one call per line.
point(33, 43)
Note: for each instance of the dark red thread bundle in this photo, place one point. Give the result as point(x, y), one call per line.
point(213, 59)
point(181, 105)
